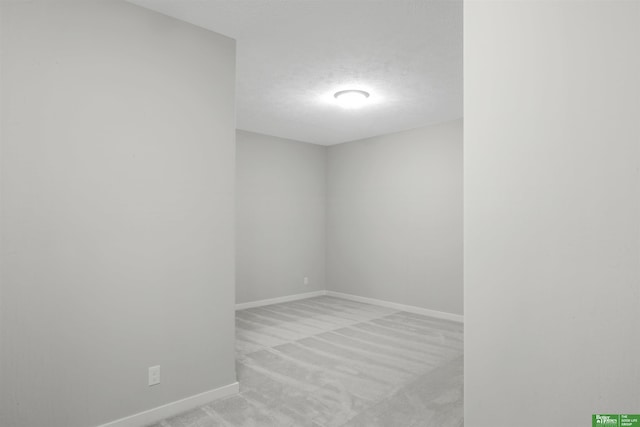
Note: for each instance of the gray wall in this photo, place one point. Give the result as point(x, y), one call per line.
point(552, 154)
point(394, 217)
point(280, 217)
point(117, 211)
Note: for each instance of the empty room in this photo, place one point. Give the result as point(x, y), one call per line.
point(322, 213)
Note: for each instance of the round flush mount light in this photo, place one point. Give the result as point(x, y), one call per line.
point(351, 98)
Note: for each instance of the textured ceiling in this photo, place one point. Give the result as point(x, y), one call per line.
point(293, 55)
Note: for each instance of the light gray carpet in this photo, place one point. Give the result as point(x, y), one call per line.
point(329, 362)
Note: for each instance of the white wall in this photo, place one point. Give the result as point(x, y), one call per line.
point(394, 217)
point(552, 253)
point(280, 211)
point(117, 211)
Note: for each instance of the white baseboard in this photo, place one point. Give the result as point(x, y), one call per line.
point(402, 307)
point(409, 308)
point(174, 408)
point(278, 300)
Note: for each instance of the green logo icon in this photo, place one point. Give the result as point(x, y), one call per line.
point(601, 420)
point(615, 420)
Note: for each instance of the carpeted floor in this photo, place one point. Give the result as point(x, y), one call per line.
point(327, 361)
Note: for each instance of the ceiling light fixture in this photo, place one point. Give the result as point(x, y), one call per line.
point(352, 98)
